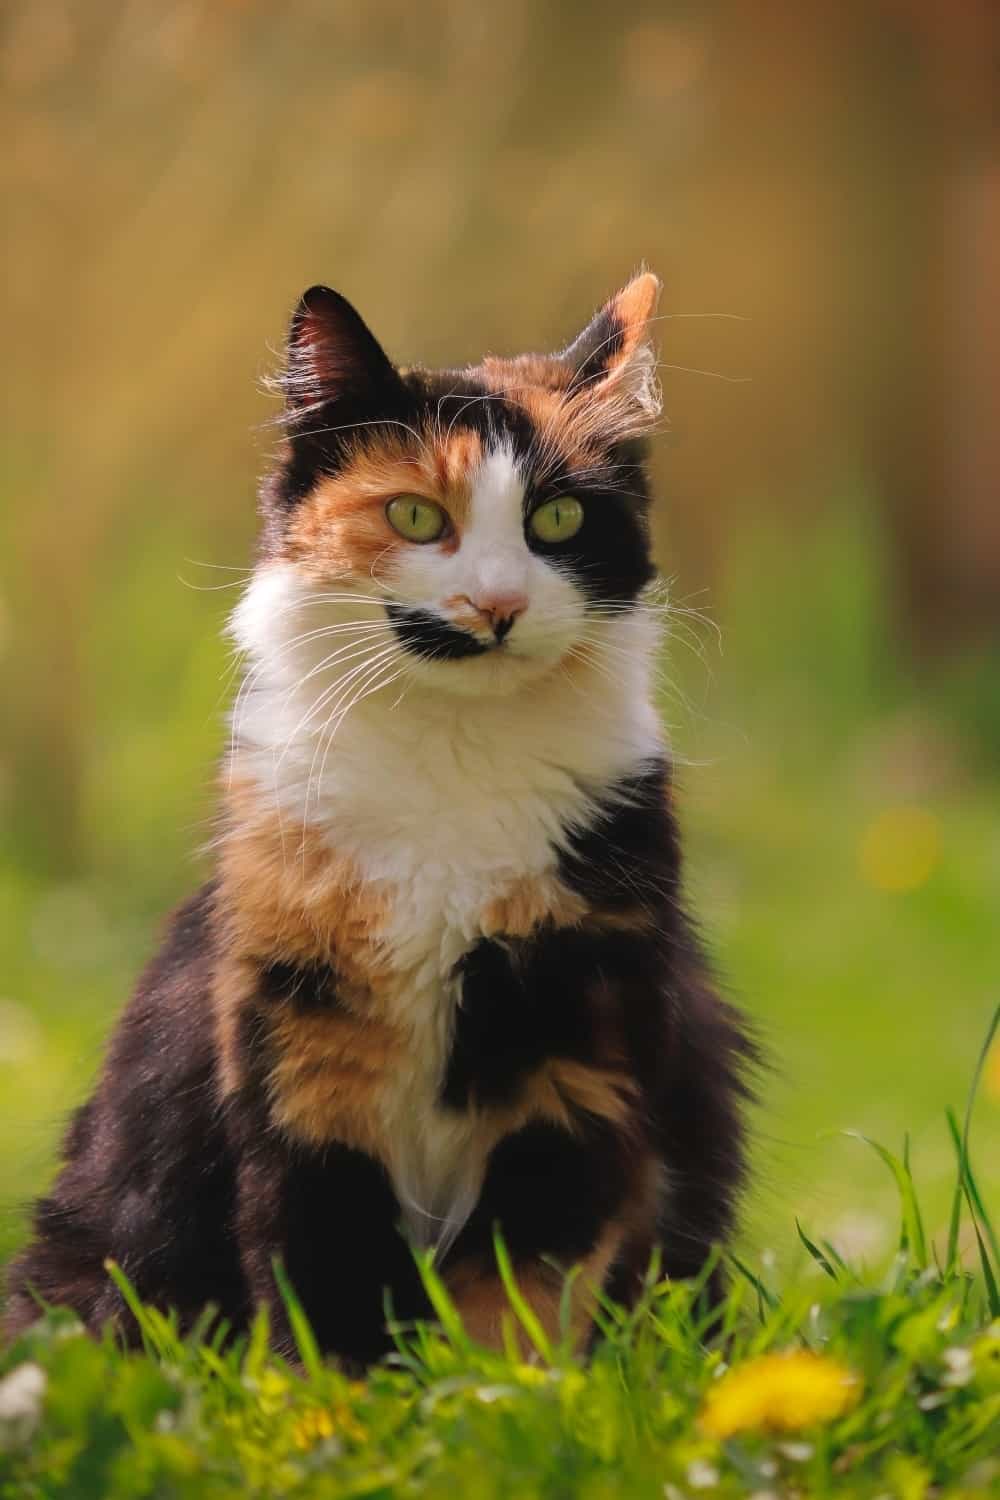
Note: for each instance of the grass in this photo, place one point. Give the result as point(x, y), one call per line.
point(842, 1384)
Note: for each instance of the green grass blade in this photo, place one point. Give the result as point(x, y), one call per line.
point(525, 1313)
point(130, 1297)
point(992, 1294)
point(977, 1074)
point(816, 1253)
point(305, 1339)
point(566, 1307)
point(977, 1211)
point(912, 1238)
point(979, 1208)
point(955, 1217)
point(836, 1257)
point(984, 1051)
point(255, 1357)
point(765, 1297)
point(446, 1311)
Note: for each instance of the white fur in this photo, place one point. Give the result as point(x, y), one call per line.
point(447, 796)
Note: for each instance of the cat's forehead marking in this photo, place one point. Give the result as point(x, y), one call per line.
point(495, 505)
point(498, 482)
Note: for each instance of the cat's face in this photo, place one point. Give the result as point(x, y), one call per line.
point(474, 528)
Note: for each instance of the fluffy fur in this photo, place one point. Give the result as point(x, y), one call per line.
point(441, 978)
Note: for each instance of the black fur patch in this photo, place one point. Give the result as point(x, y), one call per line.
point(333, 1218)
point(550, 1193)
point(302, 987)
point(525, 1000)
point(424, 633)
point(593, 351)
point(628, 853)
point(609, 557)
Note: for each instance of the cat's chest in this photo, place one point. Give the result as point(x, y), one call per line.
point(450, 824)
point(457, 826)
point(466, 847)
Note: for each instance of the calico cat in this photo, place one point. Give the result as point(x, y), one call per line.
point(441, 978)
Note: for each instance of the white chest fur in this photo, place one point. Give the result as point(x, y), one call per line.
point(447, 800)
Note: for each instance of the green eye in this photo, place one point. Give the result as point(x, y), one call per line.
point(557, 520)
point(418, 520)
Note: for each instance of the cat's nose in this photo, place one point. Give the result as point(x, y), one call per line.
point(501, 610)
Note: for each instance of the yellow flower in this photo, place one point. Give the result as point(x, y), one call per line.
point(779, 1393)
point(317, 1423)
point(313, 1426)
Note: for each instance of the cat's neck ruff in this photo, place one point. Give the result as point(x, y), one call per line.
point(414, 777)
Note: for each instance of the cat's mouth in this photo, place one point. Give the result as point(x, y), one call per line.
point(427, 635)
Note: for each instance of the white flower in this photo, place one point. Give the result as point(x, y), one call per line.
point(21, 1394)
point(702, 1475)
point(960, 1366)
point(797, 1453)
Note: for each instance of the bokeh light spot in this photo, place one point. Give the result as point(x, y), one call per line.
point(900, 849)
point(20, 1034)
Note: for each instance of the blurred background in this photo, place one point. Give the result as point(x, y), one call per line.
point(819, 186)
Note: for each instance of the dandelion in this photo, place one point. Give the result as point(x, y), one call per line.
point(779, 1393)
point(314, 1426)
point(318, 1424)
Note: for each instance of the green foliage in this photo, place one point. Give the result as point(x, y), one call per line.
point(896, 1391)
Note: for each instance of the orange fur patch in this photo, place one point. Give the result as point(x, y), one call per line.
point(482, 1302)
point(633, 307)
point(328, 1078)
point(341, 528)
point(527, 903)
point(483, 1305)
point(604, 1092)
point(290, 895)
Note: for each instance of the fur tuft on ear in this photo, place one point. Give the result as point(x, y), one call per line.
point(332, 355)
point(614, 355)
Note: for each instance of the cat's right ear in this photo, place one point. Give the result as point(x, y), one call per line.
point(332, 355)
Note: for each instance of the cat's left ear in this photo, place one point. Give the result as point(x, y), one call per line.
point(332, 355)
point(614, 354)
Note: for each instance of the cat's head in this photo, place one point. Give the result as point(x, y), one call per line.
point(474, 527)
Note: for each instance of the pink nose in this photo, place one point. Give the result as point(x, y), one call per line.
point(501, 610)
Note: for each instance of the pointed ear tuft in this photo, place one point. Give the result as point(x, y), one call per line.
point(332, 354)
point(614, 355)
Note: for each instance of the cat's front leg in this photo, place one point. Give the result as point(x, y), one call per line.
point(331, 1217)
point(560, 1196)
